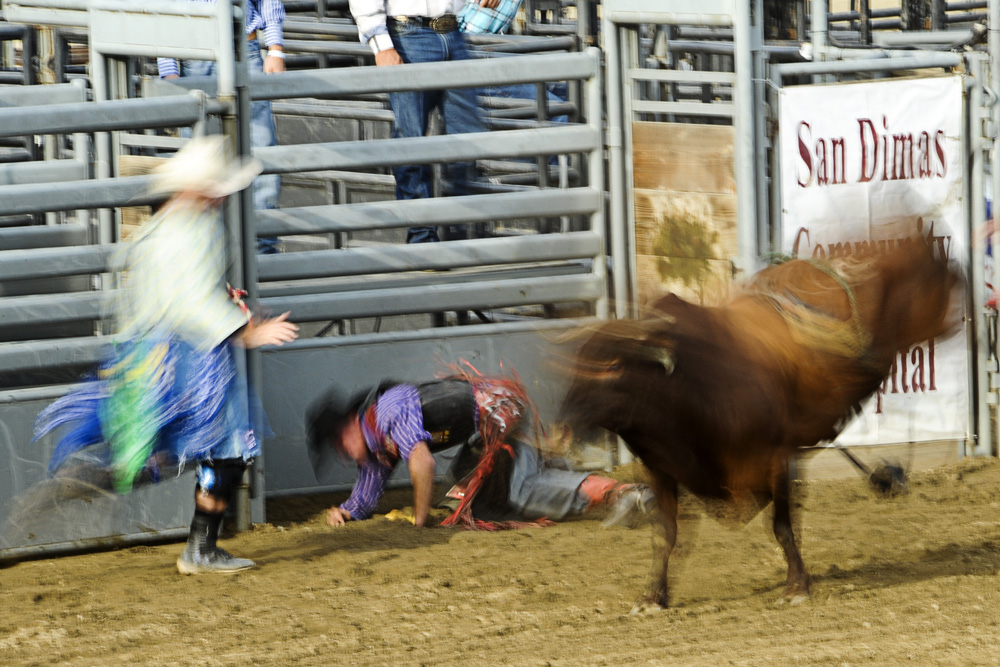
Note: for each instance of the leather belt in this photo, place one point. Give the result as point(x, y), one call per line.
point(440, 24)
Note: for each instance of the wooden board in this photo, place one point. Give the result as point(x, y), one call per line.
point(135, 165)
point(684, 210)
point(683, 157)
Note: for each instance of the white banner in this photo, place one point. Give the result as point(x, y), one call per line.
point(869, 163)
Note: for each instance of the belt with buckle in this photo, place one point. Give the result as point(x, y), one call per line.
point(441, 24)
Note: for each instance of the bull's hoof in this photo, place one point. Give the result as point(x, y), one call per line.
point(649, 604)
point(794, 600)
point(794, 595)
point(888, 480)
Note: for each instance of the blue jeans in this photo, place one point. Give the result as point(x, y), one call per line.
point(412, 110)
point(266, 187)
point(537, 490)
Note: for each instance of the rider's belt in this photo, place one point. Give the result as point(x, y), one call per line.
point(441, 24)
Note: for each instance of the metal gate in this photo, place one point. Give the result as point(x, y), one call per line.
point(370, 306)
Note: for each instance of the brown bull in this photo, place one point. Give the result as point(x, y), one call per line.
point(719, 399)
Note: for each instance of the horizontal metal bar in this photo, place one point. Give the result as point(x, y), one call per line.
point(143, 6)
point(48, 171)
point(425, 278)
point(55, 262)
point(425, 256)
point(681, 76)
point(57, 353)
point(27, 96)
point(106, 193)
point(9, 31)
point(354, 177)
point(530, 111)
point(489, 46)
point(101, 116)
point(22, 395)
point(93, 543)
point(717, 109)
point(425, 76)
point(550, 29)
point(331, 111)
point(436, 298)
point(42, 236)
point(541, 326)
point(421, 212)
point(151, 141)
point(928, 38)
point(429, 150)
point(12, 78)
point(45, 309)
point(328, 47)
point(46, 16)
point(667, 18)
point(921, 61)
point(341, 29)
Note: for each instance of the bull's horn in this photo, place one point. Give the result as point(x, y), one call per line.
point(660, 355)
point(666, 360)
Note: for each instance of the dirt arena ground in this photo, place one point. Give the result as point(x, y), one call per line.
point(911, 580)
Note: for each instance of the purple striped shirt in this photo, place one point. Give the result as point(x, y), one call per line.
point(266, 15)
point(399, 416)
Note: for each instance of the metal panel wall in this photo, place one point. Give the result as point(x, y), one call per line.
point(40, 515)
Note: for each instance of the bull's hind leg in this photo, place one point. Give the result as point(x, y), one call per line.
point(797, 584)
point(664, 539)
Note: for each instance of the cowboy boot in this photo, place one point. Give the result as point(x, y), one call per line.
point(201, 555)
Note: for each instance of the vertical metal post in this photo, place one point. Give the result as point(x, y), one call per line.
point(994, 115)
point(743, 129)
point(776, 217)
point(29, 52)
point(630, 90)
point(865, 21)
point(765, 242)
point(542, 161)
point(81, 154)
point(249, 498)
point(595, 173)
point(102, 142)
point(616, 166)
point(584, 8)
point(979, 336)
point(615, 224)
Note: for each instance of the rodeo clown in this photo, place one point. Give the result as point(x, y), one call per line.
point(167, 394)
point(504, 482)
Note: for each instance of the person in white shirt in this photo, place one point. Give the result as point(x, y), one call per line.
point(422, 31)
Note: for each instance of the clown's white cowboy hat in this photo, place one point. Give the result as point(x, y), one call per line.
point(203, 165)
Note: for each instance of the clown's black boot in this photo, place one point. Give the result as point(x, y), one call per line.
point(201, 555)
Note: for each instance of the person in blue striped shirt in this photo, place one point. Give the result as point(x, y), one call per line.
point(264, 16)
point(504, 481)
